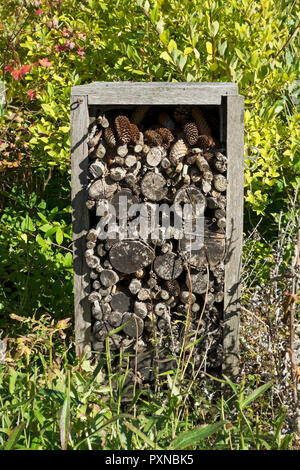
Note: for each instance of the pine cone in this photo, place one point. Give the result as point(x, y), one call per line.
point(172, 287)
point(181, 114)
point(167, 136)
point(110, 137)
point(191, 132)
point(178, 152)
point(203, 127)
point(139, 113)
point(205, 141)
point(165, 120)
point(135, 134)
point(153, 138)
point(123, 129)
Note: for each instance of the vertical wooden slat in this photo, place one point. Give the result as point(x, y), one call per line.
point(80, 219)
point(234, 115)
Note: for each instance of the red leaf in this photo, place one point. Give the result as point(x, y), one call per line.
point(18, 73)
point(38, 12)
point(45, 62)
point(31, 93)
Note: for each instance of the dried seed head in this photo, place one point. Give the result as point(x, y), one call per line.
point(153, 138)
point(202, 125)
point(191, 132)
point(135, 134)
point(167, 136)
point(205, 141)
point(110, 137)
point(181, 114)
point(178, 152)
point(123, 129)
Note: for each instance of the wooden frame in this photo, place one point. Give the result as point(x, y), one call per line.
point(226, 96)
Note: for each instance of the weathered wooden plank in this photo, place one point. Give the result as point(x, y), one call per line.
point(80, 219)
point(155, 93)
point(234, 232)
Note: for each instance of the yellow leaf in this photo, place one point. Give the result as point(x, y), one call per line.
point(209, 47)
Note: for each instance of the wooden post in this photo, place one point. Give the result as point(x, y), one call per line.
point(80, 219)
point(234, 118)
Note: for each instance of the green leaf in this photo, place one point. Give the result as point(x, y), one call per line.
point(215, 28)
point(13, 374)
point(191, 438)
point(240, 54)
point(14, 436)
point(59, 236)
point(27, 224)
point(164, 55)
point(222, 48)
point(259, 391)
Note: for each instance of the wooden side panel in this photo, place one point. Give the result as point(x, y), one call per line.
point(80, 219)
point(234, 116)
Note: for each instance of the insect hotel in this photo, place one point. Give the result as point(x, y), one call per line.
point(158, 276)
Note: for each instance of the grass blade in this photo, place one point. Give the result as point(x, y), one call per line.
point(65, 419)
point(141, 435)
point(190, 438)
point(259, 391)
point(65, 424)
point(14, 436)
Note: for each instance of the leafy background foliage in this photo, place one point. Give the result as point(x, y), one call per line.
point(48, 46)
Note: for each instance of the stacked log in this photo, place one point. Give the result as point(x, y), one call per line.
point(147, 287)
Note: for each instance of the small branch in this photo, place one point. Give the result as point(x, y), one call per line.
point(286, 43)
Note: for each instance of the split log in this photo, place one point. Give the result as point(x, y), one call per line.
point(100, 151)
point(135, 326)
point(168, 266)
point(121, 302)
point(220, 183)
point(96, 169)
point(94, 296)
point(154, 186)
point(161, 309)
point(96, 285)
point(92, 142)
point(118, 173)
point(199, 282)
point(134, 286)
point(143, 294)
point(140, 309)
point(90, 245)
point(108, 277)
point(130, 161)
point(92, 261)
point(115, 318)
point(122, 150)
point(187, 297)
point(154, 156)
point(193, 196)
point(129, 256)
point(102, 189)
point(215, 248)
